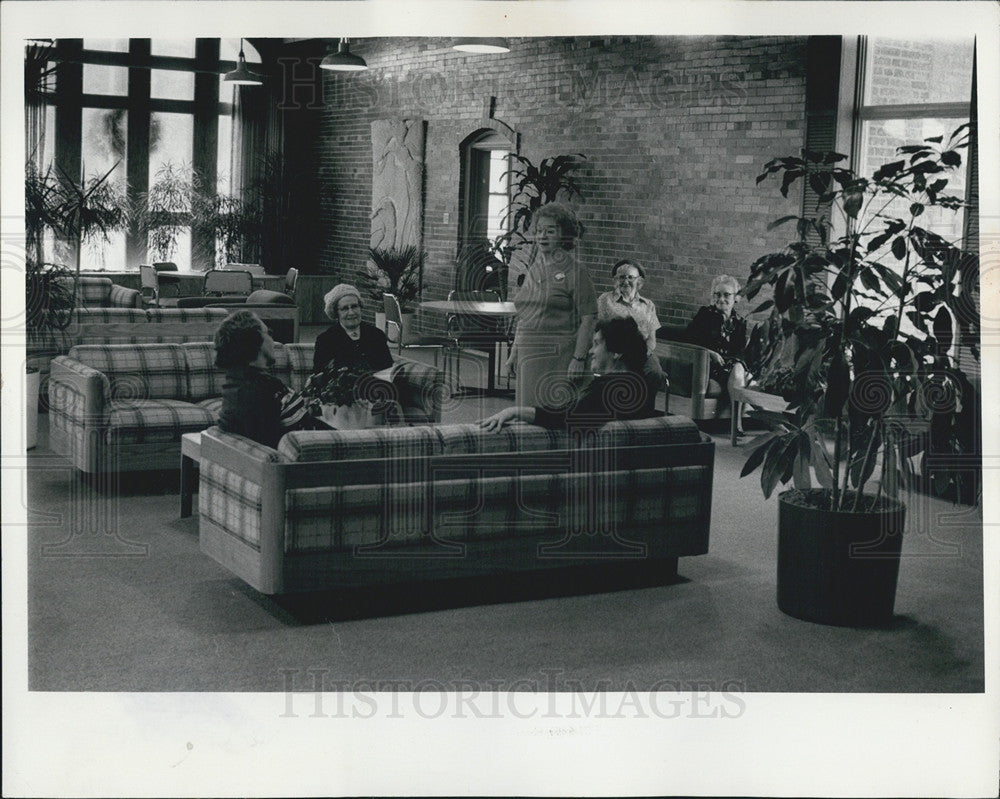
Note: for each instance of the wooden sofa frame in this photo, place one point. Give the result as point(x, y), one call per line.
point(271, 570)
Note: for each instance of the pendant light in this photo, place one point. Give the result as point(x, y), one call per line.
point(482, 44)
point(242, 76)
point(343, 60)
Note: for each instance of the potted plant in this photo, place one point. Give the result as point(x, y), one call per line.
point(396, 271)
point(532, 187)
point(865, 361)
point(49, 299)
point(338, 395)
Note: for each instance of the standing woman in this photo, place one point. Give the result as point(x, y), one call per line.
point(556, 312)
point(349, 341)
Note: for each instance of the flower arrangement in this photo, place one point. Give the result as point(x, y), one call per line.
point(335, 385)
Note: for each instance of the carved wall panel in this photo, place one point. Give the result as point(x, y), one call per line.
point(397, 182)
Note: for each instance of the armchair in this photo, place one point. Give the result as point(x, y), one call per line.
point(692, 392)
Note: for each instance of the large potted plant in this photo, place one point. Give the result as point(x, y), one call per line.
point(396, 271)
point(866, 360)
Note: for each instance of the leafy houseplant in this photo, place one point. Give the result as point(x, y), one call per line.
point(393, 270)
point(869, 318)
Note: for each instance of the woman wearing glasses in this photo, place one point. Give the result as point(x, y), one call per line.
point(723, 332)
point(349, 341)
point(556, 312)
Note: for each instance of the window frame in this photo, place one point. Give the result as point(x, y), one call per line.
point(69, 100)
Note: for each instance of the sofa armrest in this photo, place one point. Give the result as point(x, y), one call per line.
point(122, 297)
point(78, 394)
point(676, 355)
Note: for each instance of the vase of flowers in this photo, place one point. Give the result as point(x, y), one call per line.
point(336, 395)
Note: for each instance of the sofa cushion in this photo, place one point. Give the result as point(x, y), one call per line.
point(300, 364)
point(204, 378)
point(376, 442)
point(469, 439)
point(122, 297)
point(196, 320)
point(93, 291)
point(649, 432)
point(268, 297)
point(156, 420)
point(152, 371)
point(213, 405)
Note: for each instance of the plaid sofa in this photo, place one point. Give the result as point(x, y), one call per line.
point(120, 407)
point(347, 508)
point(93, 325)
point(101, 292)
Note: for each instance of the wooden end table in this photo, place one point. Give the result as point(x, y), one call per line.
point(190, 454)
point(755, 399)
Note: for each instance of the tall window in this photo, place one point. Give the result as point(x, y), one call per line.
point(485, 187)
point(911, 90)
point(155, 113)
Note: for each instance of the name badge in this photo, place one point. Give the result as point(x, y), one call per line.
point(559, 276)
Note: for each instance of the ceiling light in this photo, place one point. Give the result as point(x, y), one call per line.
point(242, 76)
point(482, 44)
point(343, 60)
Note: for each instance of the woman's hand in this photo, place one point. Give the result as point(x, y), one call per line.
point(511, 363)
point(500, 418)
point(716, 357)
point(576, 367)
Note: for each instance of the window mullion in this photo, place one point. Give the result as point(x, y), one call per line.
point(137, 150)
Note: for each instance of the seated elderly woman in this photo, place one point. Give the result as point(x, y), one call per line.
point(723, 332)
point(619, 389)
point(255, 404)
point(349, 341)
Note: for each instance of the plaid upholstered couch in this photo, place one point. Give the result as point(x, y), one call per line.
point(348, 508)
point(101, 292)
point(114, 325)
point(120, 407)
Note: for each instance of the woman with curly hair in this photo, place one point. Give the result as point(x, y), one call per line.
point(619, 390)
point(556, 311)
point(255, 404)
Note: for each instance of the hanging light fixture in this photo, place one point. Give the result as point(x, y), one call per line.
point(343, 60)
point(242, 76)
point(482, 44)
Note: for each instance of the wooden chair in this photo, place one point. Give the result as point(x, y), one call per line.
point(253, 269)
point(291, 278)
point(166, 280)
point(692, 392)
point(227, 284)
point(394, 331)
point(149, 282)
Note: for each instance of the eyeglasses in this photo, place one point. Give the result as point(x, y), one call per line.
point(354, 307)
point(627, 278)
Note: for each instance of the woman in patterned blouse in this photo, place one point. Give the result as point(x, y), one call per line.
point(723, 332)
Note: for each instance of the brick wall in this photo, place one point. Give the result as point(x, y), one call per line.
point(675, 130)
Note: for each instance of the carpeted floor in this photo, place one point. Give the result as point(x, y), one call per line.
point(139, 608)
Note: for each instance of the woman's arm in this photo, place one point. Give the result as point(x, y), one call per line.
point(499, 419)
point(323, 352)
point(584, 334)
point(380, 356)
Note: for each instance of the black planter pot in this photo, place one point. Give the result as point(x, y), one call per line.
point(837, 567)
